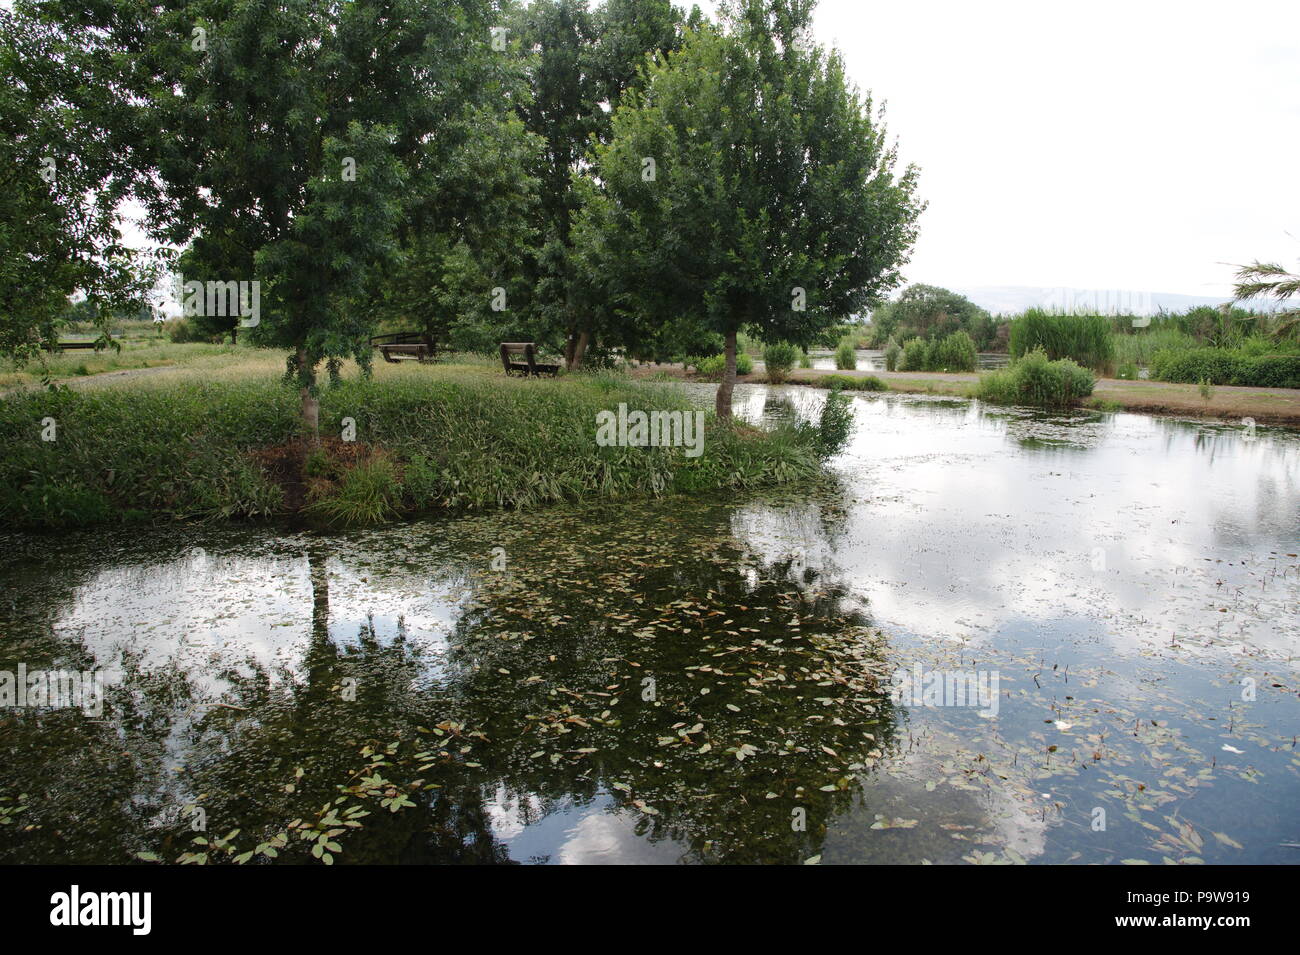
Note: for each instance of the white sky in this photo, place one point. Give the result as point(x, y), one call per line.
point(1139, 145)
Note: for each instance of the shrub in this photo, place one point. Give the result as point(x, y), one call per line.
point(893, 351)
point(1036, 380)
point(954, 353)
point(1227, 366)
point(845, 358)
point(866, 383)
point(181, 330)
point(779, 359)
point(916, 355)
point(714, 366)
point(804, 360)
point(1084, 338)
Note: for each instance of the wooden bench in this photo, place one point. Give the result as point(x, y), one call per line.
point(68, 346)
point(521, 358)
point(405, 346)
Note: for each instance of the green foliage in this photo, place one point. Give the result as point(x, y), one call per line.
point(439, 439)
point(1037, 381)
point(915, 356)
point(956, 352)
point(367, 493)
point(893, 352)
point(805, 361)
point(835, 425)
point(712, 368)
point(929, 312)
point(785, 217)
point(1084, 338)
point(852, 383)
point(779, 358)
point(1228, 366)
point(63, 183)
point(1140, 347)
point(845, 357)
point(182, 330)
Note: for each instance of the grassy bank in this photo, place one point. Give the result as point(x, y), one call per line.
point(425, 438)
point(152, 353)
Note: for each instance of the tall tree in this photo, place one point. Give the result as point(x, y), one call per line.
point(284, 134)
point(61, 183)
point(774, 203)
point(581, 62)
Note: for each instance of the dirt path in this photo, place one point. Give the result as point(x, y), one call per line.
point(1226, 403)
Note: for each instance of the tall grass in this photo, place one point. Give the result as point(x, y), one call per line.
point(1140, 347)
point(1083, 338)
point(452, 438)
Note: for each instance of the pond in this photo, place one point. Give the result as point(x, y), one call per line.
point(873, 359)
point(995, 636)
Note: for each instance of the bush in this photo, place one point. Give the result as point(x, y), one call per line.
point(714, 366)
point(1036, 380)
point(954, 353)
point(867, 383)
point(916, 355)
point(1084, 338)
point(893, 351)
point(779, 359)
point(1227, 366)
point(181, 330)
point(845, 358)
point(804, 360)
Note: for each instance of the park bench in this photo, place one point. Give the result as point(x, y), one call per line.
point(521, 358)
point(405, 346)
point(68, 346)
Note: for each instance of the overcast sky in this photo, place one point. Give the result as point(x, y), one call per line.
point(1133, 145)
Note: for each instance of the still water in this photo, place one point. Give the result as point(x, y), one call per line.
point(873, 359)
point(775, 678)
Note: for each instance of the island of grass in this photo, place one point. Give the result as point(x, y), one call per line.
point(405, 441)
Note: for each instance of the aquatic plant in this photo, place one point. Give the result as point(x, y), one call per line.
point(1086, 339)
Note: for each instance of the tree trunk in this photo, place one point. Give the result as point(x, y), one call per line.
point(579, 349)
point(310, 403)
point(234, 333)
point(722, 404)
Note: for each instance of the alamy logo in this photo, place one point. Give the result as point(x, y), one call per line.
point(103, 908)
point(221, 299)
point(973, 688)
point(56, 689)
point(657, 429)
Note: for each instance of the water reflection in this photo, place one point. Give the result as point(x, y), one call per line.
point(697, 681)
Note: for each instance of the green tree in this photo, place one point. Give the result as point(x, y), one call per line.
point(281, 138)
point(930, 312)
point(773, 204)
point(581, 63)
point(60, 187)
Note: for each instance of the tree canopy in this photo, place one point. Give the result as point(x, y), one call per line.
point(748, 185)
